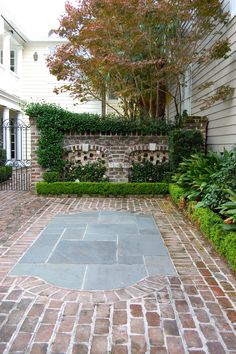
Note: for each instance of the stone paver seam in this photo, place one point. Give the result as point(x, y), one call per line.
point(16, 332)
point(86, 228)
point(84, 277)
point(218, 284)
point(55, 246)
point(56, 327)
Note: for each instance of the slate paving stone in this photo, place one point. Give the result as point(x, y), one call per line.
point(113, 229)
point(75, 233)
point(65, 275)
point(159, 265)
point(105, 277)
point(84, 252)
point(137, 245)
point(37, 254)
point(99, 237)
point(130, 260)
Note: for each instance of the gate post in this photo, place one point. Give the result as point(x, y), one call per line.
point(36, 169)
point(7, 133)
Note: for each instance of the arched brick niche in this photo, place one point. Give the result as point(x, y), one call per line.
point(85, 153)
point(151, 152)
point(118, 152)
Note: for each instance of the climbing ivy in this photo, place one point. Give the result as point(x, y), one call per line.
point(54, 122)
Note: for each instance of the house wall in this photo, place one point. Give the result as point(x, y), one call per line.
point(222, 115)
point(38, 83)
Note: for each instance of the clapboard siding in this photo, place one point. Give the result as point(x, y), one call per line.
point(222, 115)
point(38, 83)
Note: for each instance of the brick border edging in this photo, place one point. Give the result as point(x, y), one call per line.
point(149, 285)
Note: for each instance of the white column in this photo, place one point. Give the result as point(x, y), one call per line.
point(19, 135)
point(7, 133)
point(19, 61)
point(6, 50)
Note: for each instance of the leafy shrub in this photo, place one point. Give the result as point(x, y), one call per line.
point(194, 174)
point(224, 178)
point(206, 177)
point(104, 189)
point(51, 177)
point(91, 172)
point(50, 150)
point(210, 225)
point(2, 157)
point(5, 173)
point(146, 171)
point(229, 209)
point(52, 116)
point(182, 144)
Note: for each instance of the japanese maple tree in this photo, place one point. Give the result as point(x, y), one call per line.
point(136, 49)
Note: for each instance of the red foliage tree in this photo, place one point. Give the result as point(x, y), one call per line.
point(137, 49)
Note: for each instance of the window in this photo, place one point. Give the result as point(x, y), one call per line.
point(13, 61)
point(232, 4)
point(187, 91)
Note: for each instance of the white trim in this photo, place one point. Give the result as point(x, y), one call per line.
point(232, 4)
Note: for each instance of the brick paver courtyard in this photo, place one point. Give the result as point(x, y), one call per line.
point(193, 312)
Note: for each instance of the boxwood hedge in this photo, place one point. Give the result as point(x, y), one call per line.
point(101, 188)
point(210, 225)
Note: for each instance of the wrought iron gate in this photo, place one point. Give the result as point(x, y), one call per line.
point(15, 163)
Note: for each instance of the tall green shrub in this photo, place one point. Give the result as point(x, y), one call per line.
point(2, 157)
point(182, 144)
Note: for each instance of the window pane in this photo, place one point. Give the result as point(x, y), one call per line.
point(12, 60)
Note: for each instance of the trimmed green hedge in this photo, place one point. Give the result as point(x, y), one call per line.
point(102, 188)
point(51, 176)
point(50, 116)
point(176, 193)
point(210, 225)
point(5, 173)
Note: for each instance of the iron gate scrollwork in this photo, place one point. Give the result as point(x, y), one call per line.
point(15, 155)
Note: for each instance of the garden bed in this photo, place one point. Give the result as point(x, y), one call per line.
point(209, 223)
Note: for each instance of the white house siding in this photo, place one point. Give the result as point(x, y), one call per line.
point(38, 83)
point(222, 115)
